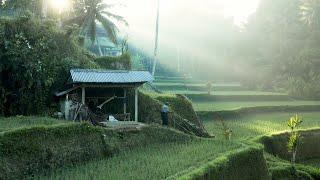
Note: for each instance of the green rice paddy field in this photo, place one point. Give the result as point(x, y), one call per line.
point(251, 126)
point(226, 105)
point(26, 121)
point(161, 161)
point(218, 93)
point(151, 162)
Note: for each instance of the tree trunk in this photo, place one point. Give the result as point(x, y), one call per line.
point(44, 9)
point(99, 48)
point(156, 41)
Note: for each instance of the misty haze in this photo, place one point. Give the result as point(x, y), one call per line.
point(160, 89)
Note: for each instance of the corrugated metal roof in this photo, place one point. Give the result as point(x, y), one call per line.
point(107, 76)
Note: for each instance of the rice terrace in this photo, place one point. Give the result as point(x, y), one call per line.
point(160, 89)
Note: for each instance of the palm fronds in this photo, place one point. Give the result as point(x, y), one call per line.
point(91, 11)
point(310, 12)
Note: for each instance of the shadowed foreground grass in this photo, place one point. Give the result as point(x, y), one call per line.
point(151, 162)
point(254, 125)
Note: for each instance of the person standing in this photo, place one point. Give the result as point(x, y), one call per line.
point(164, 114)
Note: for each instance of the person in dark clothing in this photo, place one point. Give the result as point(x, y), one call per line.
point(164, 114)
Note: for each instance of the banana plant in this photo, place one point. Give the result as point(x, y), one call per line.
point(294, 138)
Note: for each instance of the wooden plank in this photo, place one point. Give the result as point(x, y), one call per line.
point(67, 91)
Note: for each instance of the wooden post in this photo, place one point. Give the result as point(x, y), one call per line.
point(66, 107)
point(125, 101)
point(83, 99)
point(136, 105)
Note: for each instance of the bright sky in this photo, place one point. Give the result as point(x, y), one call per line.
point(176, 15)
point(59, 4)
point(238, 9)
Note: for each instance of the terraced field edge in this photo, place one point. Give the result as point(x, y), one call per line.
point(28, 151)
point(247, 162)
point(236, 113)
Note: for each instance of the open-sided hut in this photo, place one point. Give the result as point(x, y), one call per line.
point(90, 90)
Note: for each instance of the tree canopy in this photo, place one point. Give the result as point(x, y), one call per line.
point(36, 57)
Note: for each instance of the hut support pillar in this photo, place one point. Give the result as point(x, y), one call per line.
point(136, 105)
point(125, 101)
point(66, 107)
point(83, 99)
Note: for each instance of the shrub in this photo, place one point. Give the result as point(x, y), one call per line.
point(122, 62)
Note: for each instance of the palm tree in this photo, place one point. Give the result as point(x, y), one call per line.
point(89, 12)
point(310, 11)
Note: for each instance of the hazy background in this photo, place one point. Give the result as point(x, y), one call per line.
point(199, 32)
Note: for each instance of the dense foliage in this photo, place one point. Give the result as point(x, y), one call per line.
point(35, 60)
point(122, 62)
point(282, 48)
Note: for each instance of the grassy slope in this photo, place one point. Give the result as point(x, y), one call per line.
point(26, 121)
point(217, 106)
point(254, 125)
point(151, 162)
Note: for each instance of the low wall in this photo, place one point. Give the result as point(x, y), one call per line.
point(246, 163)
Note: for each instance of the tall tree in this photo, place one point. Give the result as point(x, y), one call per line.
point(89, 13)
point(156, 40)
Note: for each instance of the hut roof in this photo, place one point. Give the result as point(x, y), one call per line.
point(109, 76)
